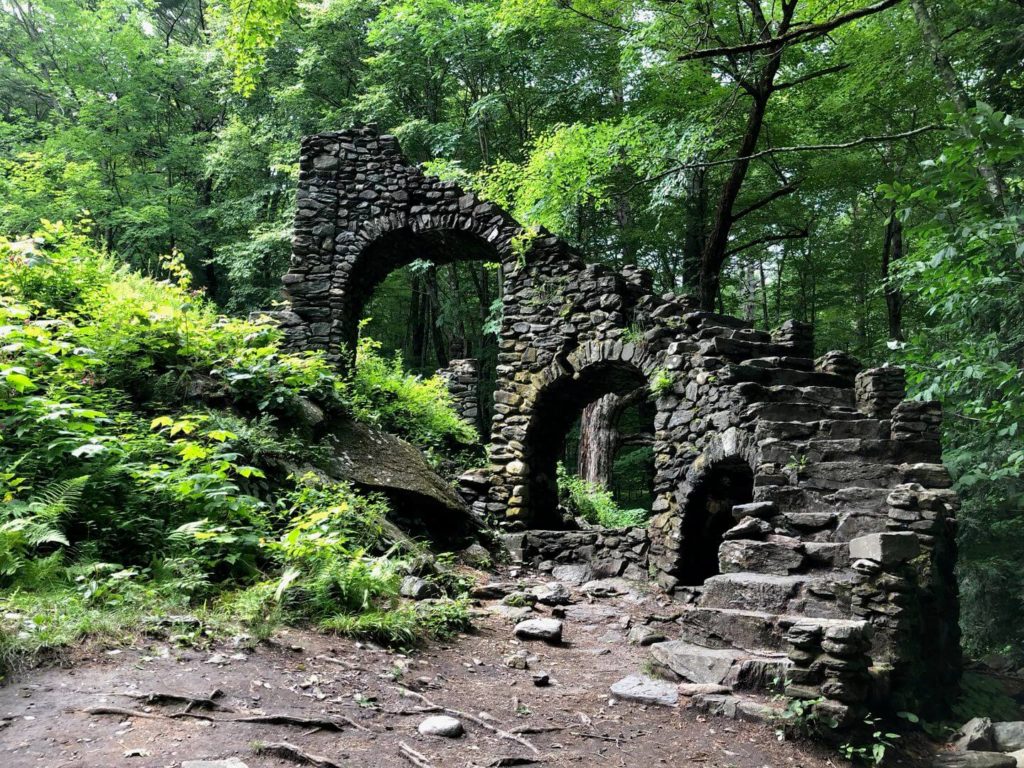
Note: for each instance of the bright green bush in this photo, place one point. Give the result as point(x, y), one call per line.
point(595, 504)
point(142, 443)
point(418, 409)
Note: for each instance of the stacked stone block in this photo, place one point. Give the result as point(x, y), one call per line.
point(462, 378)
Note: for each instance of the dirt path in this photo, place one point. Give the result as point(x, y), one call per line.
point(571, 722)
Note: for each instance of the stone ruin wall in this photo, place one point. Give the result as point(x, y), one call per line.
point(838, 558)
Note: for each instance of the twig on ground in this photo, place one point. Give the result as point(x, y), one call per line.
point(524, 729)
point(119, 711)
point(190, 702)
point(473, 719)
point(413, 756)
point(294, 753)
point(339, 662)
point(309, 722)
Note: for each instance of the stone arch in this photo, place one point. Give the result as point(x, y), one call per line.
point(558, 395)
point(388, 243)
point(357, 190)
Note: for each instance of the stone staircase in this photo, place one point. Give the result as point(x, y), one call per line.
point(780, 612)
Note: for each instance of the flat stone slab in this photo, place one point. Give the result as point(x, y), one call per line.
point(974, 760)
point(646, 690)
point(548, 630)
point(694, 662)
point(885, 548)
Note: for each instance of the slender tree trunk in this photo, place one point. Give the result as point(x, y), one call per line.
point(435, 329)
point(716, 248)
point(892, 251)
point(955, 88)
point(696, 217)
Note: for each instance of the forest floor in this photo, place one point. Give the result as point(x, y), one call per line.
point(88, 711)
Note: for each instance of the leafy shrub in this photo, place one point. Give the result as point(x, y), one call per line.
point(143, 446)
point(418, 409)
point(595, 504)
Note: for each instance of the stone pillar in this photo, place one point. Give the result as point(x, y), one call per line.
point(798, 335)
point(879, 390)
point(462, 377)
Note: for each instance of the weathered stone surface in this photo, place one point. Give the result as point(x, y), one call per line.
point(693, 662)
point(975, 734)
point(548, 630)
point(1008, 736)
point(441, 725)
point(885, 548)
point(974, 760)
point(231, 762)
point(645, 690)
point(375, 459)
point(552, 593)
point(759, 556)
point(417, 588)
point(644, 635)
point(701, 689)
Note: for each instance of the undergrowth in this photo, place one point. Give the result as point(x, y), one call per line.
point(595, 504)
point(147, 447)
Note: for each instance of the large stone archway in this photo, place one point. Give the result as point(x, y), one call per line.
point(839, 550)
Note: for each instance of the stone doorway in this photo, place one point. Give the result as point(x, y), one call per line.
point(708, 514)
point(558, 409)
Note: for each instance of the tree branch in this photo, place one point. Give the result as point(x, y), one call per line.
point(798, 148)
point(780, 192)
point(811, 76)
point(795, 235)
point(794, 35)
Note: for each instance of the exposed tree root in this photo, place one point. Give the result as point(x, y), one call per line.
point(413, 756)
point(473, 719)
point(294, 753)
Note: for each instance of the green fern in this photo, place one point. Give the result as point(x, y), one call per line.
point(29, 525)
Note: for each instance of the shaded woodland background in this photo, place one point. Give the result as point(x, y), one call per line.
point(854, 165)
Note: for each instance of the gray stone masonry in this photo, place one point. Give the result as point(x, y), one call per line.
point(768, 462)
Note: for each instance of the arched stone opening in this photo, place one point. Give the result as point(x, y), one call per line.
point(707, 515)
point(394, 249)
point(557, 408)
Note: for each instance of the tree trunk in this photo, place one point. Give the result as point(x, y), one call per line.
point(892, 252)
point(599, 440)
point(717, 245)
point(994, 182)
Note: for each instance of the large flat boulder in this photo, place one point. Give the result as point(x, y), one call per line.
point(377, 460)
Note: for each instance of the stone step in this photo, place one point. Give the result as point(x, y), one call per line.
point(853, 498)
point(793, 363)
point(753, 631)
point(740, 349)
point(743, 334)
point(698, 320)
point(812, 595)
point(826, 429)
point(785, 393)
point(808, 413)
point(740, 670)
point(734, 373)
point(818, 450)
point(757, 632)
point(833, 475)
